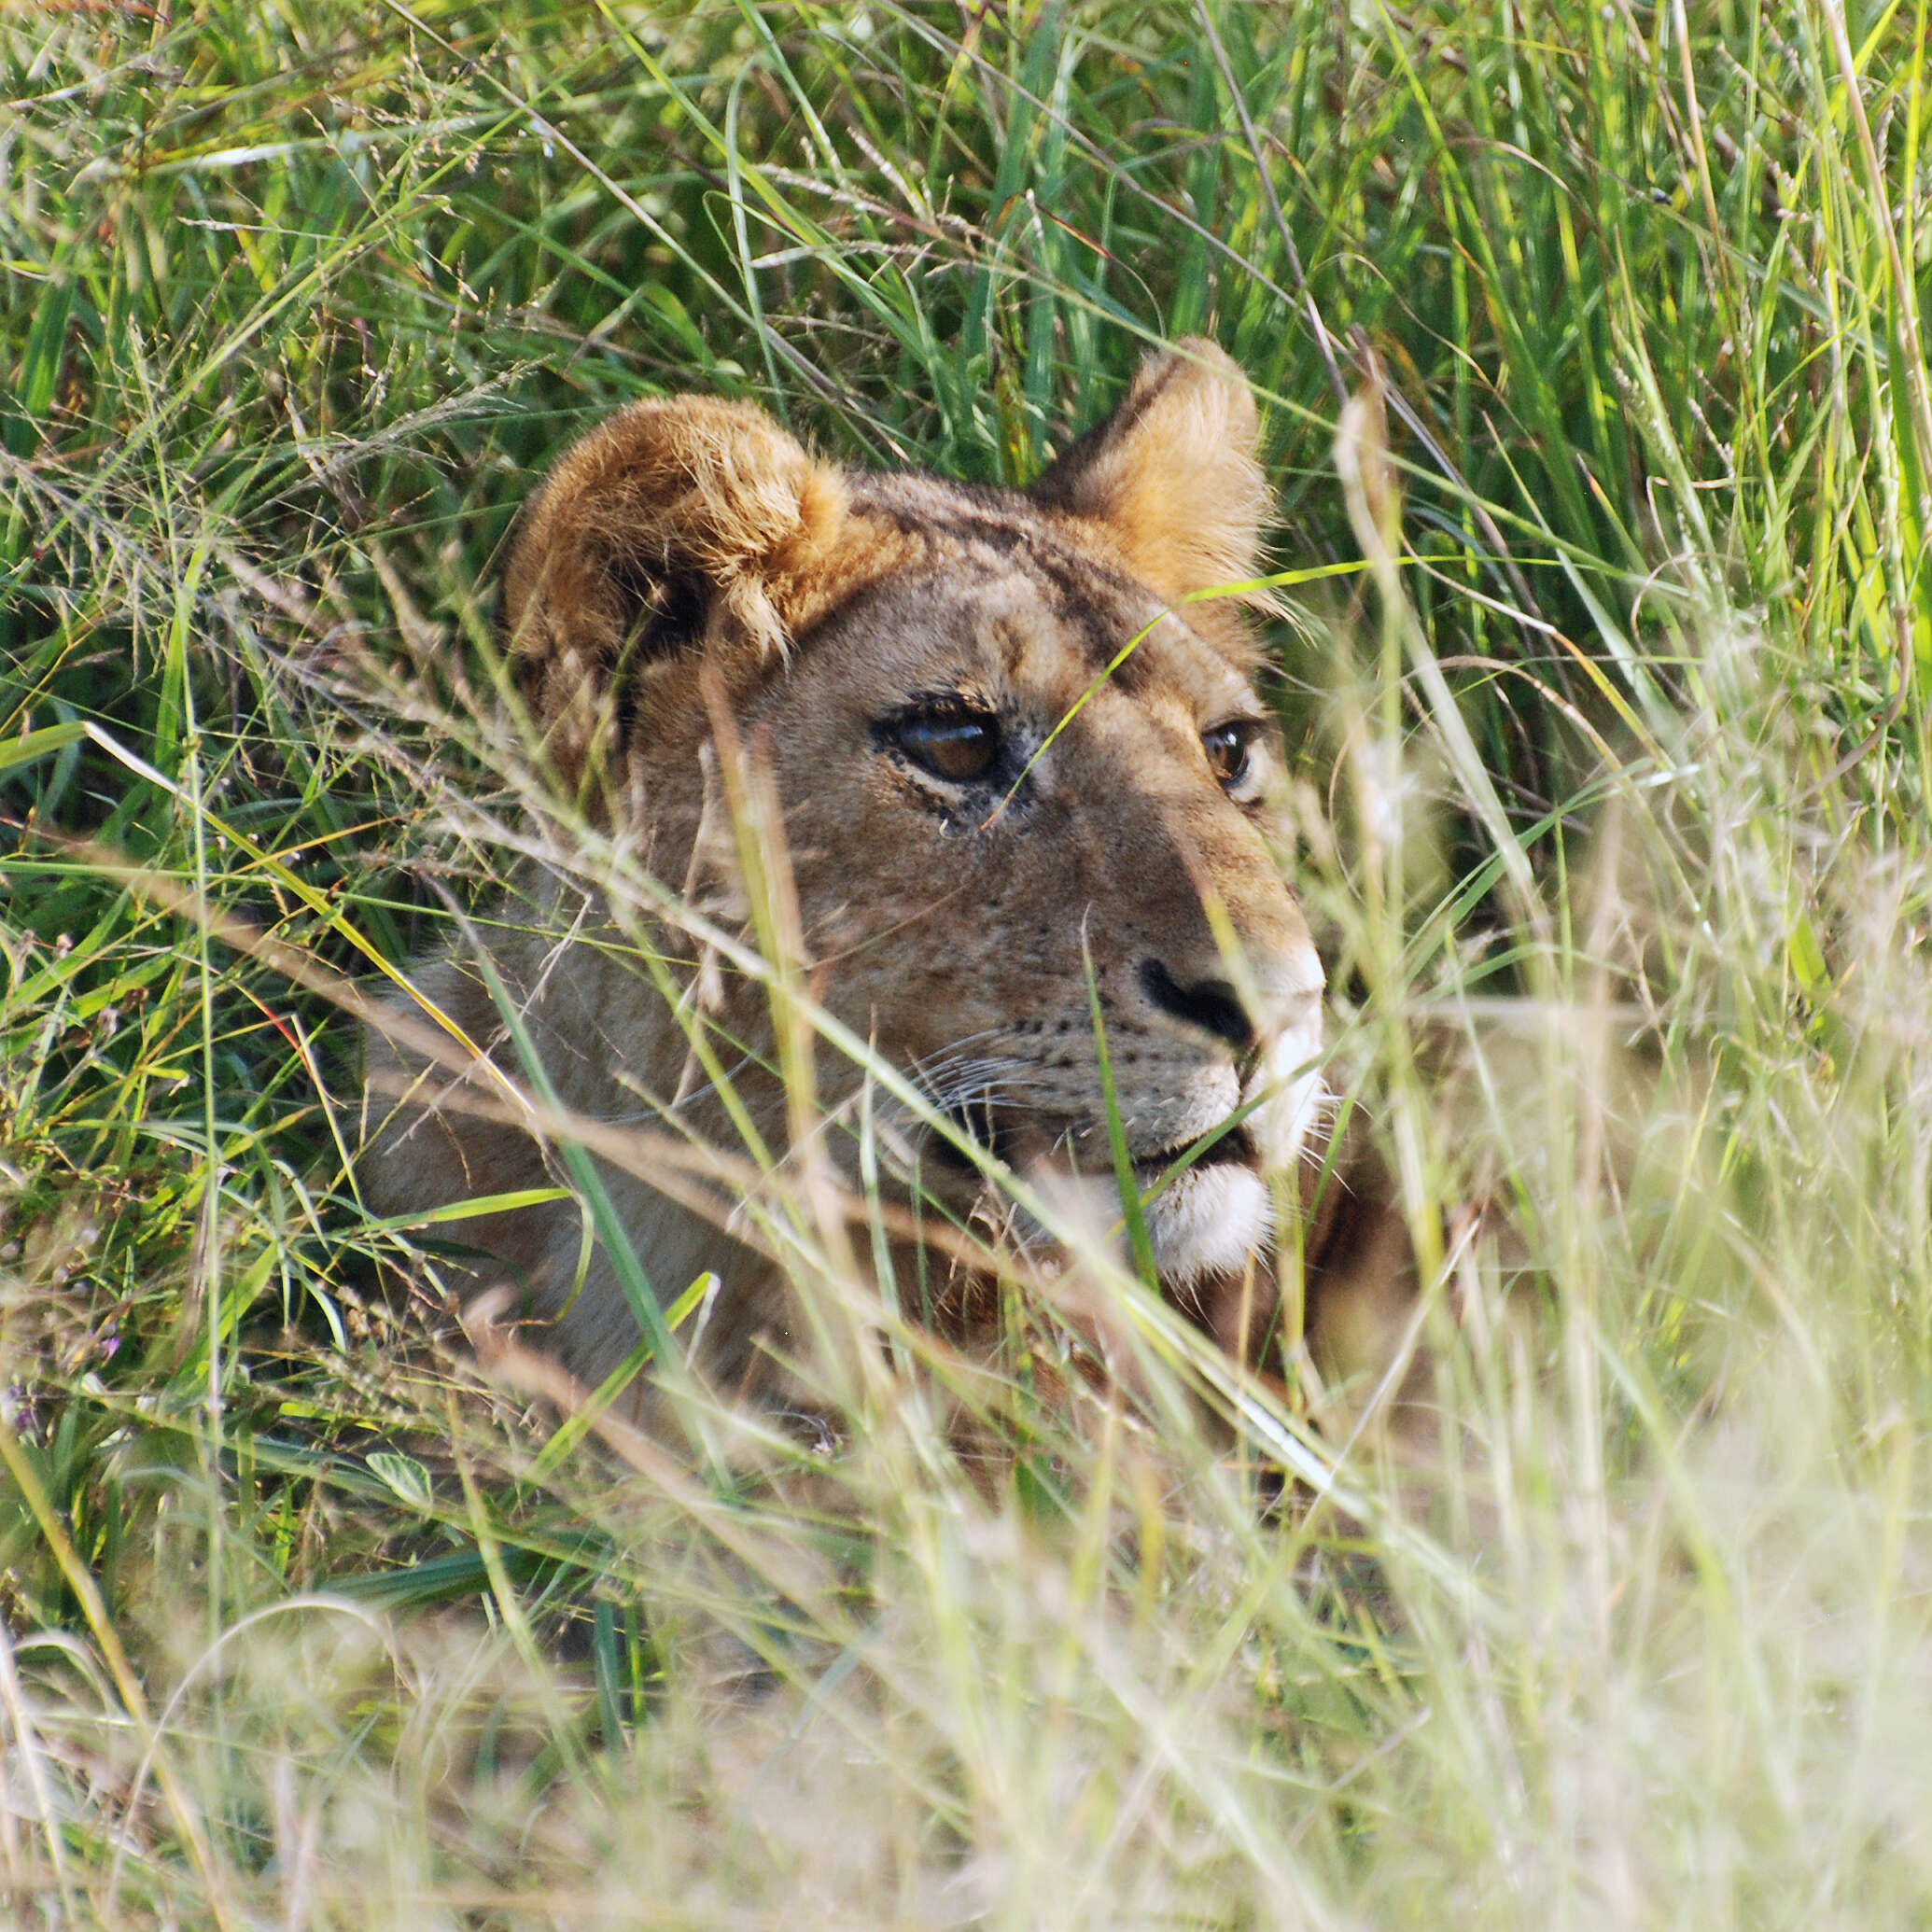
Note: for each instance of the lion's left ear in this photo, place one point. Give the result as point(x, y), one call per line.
point(1171, 473)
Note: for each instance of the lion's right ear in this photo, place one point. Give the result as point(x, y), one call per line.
point(676, 525)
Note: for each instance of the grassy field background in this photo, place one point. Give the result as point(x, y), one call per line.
point(1609, 695)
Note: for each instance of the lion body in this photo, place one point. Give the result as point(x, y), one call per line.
point(716, 628)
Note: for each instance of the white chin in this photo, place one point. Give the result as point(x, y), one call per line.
point(1209, 1222)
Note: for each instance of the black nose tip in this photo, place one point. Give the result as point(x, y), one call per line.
point(1211, 1005)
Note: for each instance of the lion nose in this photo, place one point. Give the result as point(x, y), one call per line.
point(1211, 1005)
point(1289, 989)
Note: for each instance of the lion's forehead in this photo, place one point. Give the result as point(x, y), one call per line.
point(1008, 596)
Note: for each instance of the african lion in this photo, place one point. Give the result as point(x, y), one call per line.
point(1018, 759)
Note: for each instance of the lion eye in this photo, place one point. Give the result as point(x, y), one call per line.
point(1228, 747)
point(958, 746)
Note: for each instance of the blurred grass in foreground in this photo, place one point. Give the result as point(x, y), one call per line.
point(300, 1625)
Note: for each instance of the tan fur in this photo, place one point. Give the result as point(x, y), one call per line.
point(690, 547)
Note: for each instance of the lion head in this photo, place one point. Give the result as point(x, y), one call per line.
point(1012, 745)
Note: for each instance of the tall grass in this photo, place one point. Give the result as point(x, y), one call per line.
point(1612, 740)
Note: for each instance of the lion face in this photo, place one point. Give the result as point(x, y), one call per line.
point(988, 831)
point(1021, 771)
